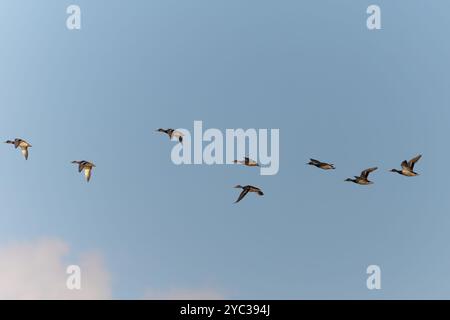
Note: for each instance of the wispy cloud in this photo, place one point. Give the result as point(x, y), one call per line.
point(37, 270)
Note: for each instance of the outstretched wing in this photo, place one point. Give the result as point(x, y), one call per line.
point(413, 161)
point(365, 173)
point(315, 161)
point(25, 152)
point(87, 173)
point(242, 195)
point(405, 165)
point(80, 167)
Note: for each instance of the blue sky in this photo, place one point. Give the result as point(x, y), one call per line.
point(337, 92)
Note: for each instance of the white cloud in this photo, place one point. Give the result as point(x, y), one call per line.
point(185, 294)
point(37, 270)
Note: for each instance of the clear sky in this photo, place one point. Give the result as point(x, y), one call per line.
point(337, 92)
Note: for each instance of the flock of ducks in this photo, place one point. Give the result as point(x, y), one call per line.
point(363, 179)
point(24, 146)
point(407, 167)
point(246, 162)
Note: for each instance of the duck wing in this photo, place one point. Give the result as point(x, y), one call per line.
point(405, 165)
point(242, 195)
point(365, 173)
point(413, 161)
point(25, 152)
point(80, 166)
point(87, 173)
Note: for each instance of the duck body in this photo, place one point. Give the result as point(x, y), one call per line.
point(86, 166)
point(359, 180)
point(247, 162)
point(246, 190)
point(406, 173)
point(408, 167)
point(321, 165)
point(22, 144)
point(362, 179)
point(172, 134)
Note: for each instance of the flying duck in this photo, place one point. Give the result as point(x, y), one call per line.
point(86, 166)
point(362, 179)
point(408, 167)
point(172, 133)
point(321, 165)
point(246, 190)
point(22, 144)
point(247, 162)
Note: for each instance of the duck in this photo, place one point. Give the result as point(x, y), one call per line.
point(363, 178)
point(172, 133)
point(321, 165)
point(22, 144)
point(408, 167)
point(86, 166)
point(247, 162)
point(246, 190)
